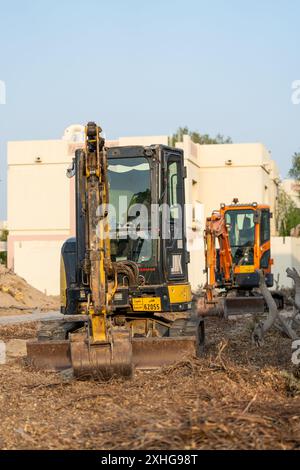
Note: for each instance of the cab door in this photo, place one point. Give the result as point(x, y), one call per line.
point(265, 236)
point(175, 255)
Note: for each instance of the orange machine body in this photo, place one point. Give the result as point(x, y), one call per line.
point(237, 245)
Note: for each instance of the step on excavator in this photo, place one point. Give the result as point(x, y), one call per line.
point(125, 296)
point(238, 261)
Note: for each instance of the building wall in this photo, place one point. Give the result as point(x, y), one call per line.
point(43, 203)
point(38, 261)
point(286, 254)
point(41, 209)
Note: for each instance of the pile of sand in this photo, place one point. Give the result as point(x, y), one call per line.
point(16, 293)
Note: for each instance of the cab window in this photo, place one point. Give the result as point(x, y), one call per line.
point(265, 227)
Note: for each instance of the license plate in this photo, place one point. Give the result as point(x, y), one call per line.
point(147, 304)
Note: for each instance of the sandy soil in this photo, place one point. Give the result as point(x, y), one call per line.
point(236, 397)
point(17, 296)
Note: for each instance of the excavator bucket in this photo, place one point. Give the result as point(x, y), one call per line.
point(104, 360)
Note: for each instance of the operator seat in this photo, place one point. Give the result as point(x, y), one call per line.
point(247, 233)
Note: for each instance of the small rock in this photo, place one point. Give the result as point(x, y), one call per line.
point(67, 375)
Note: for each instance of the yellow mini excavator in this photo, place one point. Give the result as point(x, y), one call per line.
point(237, 252)
point(126, 299)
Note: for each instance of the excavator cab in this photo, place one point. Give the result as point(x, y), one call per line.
point(249, 235)
point(146, 230)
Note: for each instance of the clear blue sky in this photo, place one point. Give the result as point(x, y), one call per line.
point(147, 67)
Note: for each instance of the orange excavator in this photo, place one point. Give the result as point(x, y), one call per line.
point(237, 251)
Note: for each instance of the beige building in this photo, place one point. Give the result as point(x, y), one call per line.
point(41, 209)
point(286, 254)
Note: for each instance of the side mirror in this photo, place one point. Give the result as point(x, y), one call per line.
point(71, 171)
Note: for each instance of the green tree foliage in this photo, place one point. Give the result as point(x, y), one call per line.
point(3, 238)
point(4, 235)
point(197, 138)
point(295, 170)
point(288, 215)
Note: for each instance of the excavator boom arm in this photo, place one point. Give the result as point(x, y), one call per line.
point(216, 230)
point(97, 229)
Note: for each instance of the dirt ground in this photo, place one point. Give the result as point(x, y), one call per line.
point(236, 397)
point(17, 296)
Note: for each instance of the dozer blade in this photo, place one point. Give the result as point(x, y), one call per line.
point(147, 353)
point(243, 306)
point(104, 360)
point(152, 353)
point(49, 355)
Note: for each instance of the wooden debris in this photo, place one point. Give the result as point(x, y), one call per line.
point(236, 397)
